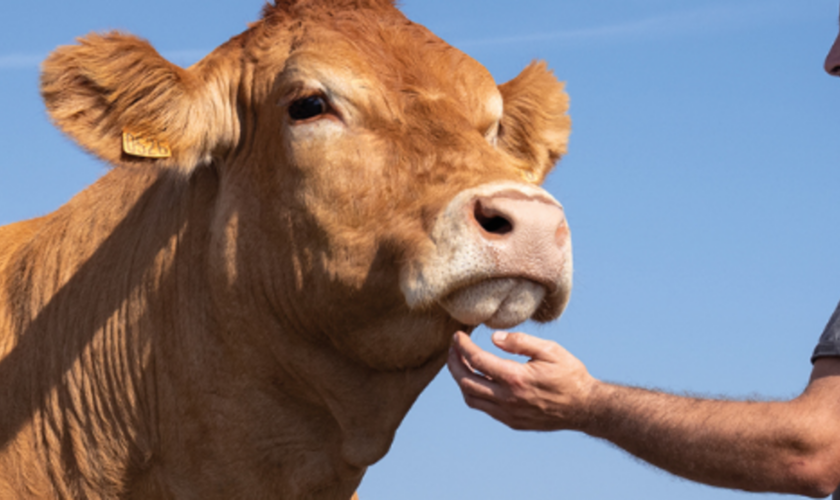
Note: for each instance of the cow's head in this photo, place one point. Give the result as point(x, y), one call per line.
point(376, 187)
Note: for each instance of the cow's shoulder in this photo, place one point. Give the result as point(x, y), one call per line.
point(16, 235)
point(14, 239)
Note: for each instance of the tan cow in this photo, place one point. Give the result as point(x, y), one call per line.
point(248, 303)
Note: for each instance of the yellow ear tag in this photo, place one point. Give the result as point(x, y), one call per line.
point(529, 176)
point(143, 147)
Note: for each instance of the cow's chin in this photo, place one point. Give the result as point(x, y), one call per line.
point(498, 303)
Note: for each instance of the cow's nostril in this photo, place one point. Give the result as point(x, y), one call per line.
point(491, 221)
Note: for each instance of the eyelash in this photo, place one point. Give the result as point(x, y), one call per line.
point(308, 108)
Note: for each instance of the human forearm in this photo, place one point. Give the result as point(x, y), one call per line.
point(791, 447)
point(755, 446)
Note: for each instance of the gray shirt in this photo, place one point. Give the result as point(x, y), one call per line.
point(829, 345)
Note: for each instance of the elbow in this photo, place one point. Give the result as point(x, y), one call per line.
point(817, 479)
point(816, 489)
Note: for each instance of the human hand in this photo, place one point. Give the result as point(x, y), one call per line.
point(548, 392)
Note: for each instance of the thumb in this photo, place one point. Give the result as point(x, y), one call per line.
point(523, 344)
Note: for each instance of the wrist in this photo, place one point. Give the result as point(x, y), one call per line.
point(595, 408)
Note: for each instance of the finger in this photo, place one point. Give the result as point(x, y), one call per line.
point(526, 345)
point(457, 367)
point(499, 413)
point(488, 407)
point(470, 383)
point(492, 366)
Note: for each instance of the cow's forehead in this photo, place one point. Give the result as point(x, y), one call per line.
point(396, 57)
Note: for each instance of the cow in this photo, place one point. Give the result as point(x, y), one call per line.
point(248, 302)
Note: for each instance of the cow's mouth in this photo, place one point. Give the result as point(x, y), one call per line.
point(498, 303)
point(498, 254)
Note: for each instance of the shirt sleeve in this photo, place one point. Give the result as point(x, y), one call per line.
point(829, 344)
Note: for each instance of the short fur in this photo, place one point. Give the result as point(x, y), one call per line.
point(227, 322)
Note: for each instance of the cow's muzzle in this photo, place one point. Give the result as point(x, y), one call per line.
point(502, 255)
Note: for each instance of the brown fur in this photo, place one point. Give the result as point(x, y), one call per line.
point(227, 323)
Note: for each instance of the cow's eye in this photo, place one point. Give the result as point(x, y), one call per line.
point(308, 107)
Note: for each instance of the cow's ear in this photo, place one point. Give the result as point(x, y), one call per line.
point(535, 126)
point(120, 100)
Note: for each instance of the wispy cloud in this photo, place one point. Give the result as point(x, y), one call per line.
point(700, 20)
point(9, 62)
point(681, 23)
point(20, 61)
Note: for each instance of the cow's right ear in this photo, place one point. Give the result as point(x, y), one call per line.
point(535, 124)
point(120, 100)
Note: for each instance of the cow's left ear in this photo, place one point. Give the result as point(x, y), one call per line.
point(535, 126)
point(120, 100)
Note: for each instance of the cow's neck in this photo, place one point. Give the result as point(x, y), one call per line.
point(291, 384)
point(344, 414)
point(366, 405)
point(314, 395)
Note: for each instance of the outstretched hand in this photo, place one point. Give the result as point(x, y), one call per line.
point(548, 392)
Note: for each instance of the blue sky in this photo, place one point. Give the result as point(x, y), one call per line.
point(702, 187)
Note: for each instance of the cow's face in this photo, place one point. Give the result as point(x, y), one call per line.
point(376, 186)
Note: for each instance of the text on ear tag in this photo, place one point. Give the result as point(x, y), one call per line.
point(135, 145)
point(529, 176)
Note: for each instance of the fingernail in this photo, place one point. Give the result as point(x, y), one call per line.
point(499, 336)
